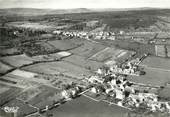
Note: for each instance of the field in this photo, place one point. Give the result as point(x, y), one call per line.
point(85, 107)
point(8, 95)
point(113, 54)
point(24, 79)
point(163, 35)
point(162, 25)
point(98, 29)
point(147, 35)
point(23, 110)
point(105, 54)
point(92, 23)
point(165, 93)
point(164, 41)
point(51, 57)
point(33, 48)
point(17, 60)
point(160, 50)
point(83, 62)
point(139, 48)
point(62, 44)
point(128, 21)
point(125, 55)
point(157, 71)
point(9, 51)
point(3, 88)
point(4, 114)
point(47, 46)
point(156, 62)
point(58, 67)
point(58, 81)
point(87, 48)
point(155, 77)
point(47, 96)
point(4, 68)
point(24, 74)
point(30, 25)
point(29, 93)
point(18, 80)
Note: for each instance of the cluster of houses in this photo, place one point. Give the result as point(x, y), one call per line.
point(121, 92)
point(130, 68)
point(88, 35)
point(150, 101)
point(70, 93)
point(111, 81)
point(124, 94)
point(102, 35)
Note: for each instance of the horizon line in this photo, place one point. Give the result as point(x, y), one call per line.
point(86, 8)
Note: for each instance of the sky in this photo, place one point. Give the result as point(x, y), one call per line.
point(67, 4)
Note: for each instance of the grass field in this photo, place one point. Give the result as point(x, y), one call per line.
point(83, 62)
point(85, 107)
point(17, 60)
point(3, 88)
point(8, 95)
point(47, 46)
point(154, 77)
point(31, 25)
point(157, 62)
point(34, 95)
point(23, 110)
point(113, 54)
point(87, 48)
point(51, 57)
point(164, 26)
point(133, 46)
point(28, 94)
point(165, 93)
point(21, 73)
point(62, 44)
point(9, 51)
point(4, 68)
point(125, 22)
point(46, 97)
point(105, 54)
point(18, 80)
point(58, 67)
point(163, 35)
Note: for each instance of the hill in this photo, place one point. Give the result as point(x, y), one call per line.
point(34, 11)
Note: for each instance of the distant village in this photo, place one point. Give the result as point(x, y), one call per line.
point(92, 35)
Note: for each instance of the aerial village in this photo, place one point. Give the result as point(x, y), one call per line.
point(112, 83)
point(49, 63)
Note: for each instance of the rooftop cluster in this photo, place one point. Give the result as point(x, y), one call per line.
point(112, 82)
point(122, 92)
point(89, 35)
